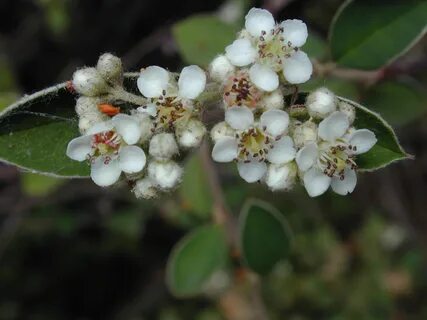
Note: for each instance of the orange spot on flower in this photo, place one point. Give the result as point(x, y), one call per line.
point(108, 109)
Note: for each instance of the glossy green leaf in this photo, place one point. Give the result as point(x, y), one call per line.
point(195, 258)
point(201, 37)
point(398, 102)
point(265, 237)
point(370, 34)
point(195, 191)
point(35, 131)
point(387, 149)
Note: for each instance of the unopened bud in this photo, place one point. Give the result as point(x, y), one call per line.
point(191, 135)
point(89, 119)
point(281, 177)
point(110, 68)
point(304, 133)
point(88, 82)
point(273, 100)
point(220, 68)
point(221, 130)
point(321, 102)
point(163, 146)
point(348, 109)
point(87, 105)
point(165, 174)
point(144, 189)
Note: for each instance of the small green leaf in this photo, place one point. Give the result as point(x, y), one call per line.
point(265, 237)
point(195, 191)
point(370, 34)
point(387, 149)
point(195, 258)
point(201, 37)
point(397, 101)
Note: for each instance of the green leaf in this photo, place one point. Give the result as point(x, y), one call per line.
point(265, 237)
point(35, 131)
point(370, 34)
point(195, 258)
point(387, 149)
point(398, 102)
point(201, 37)
point(195, 191)
point(316, 47)
point(338, 86)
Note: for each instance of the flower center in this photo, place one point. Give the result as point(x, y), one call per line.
point(105, 144)
point(272, 50)
point(238, 90)
point(253, 144)
point(171, 112)
point(333, 160)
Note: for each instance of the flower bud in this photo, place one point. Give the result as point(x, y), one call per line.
point(273, 100)
point(191, 135)
point(89, 119)
point(88, 82)
point(221, 130)
point(110, 68)
point(281, 177)
point(321, 102)
point(220, 68)
point(163, 146)
point(144, 189)
point(348, 109)
point(165, 174)
point(87, 105)
point(304, 133)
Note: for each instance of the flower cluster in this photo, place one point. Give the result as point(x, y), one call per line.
point(144, 141)
point(273, 140)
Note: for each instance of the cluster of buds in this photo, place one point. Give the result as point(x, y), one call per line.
point(271, 139)
point(142, 143)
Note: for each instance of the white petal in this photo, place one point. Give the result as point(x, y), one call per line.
point(239, 118)
point(128, 127)
point(149, 109)
point(307, 157)
point(334, 126)
point(252, 171)
point(225, 150)
point(100, 127)
point(264, 77)
point(152, 81)
point(258, 20)
point(79, 148)
point(241, 52)
point(105, 173)
point(363, 140)
point(131, 159)
point(346, 186)
point(295, 32)
point(298, 68)
point(275, 122)
point(315, 182)
point(283, 151)
point(192, 82)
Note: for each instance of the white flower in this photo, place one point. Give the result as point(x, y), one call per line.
point(89, 82)
point(271, 48)
point(239, 90)
point(163, 146)
point(321, 102)
point(254, 144)
point(165, 174)
point(331, 162)
point(109, 148)
point(171, 102)
point(220, 68)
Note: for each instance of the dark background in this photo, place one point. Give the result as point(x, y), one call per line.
point(71, 250)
